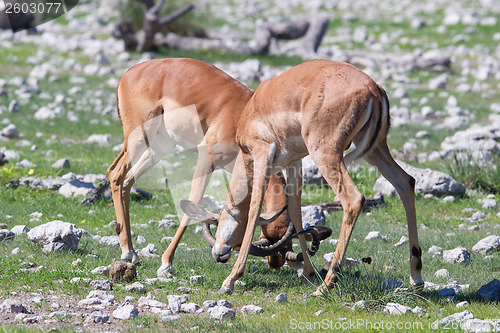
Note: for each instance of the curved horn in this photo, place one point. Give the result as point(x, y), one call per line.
point(314, 243)
point(207, 234)
point(262, 248)
point(317, 233)
point(266, 218)
point(196, 212)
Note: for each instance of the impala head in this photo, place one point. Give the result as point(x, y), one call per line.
point(231, 226)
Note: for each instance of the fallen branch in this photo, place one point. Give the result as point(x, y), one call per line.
point(311, 30)
point(337, 206)
point(144, 40)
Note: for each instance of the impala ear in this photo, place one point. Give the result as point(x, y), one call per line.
point(198, 213)
point(266, 218)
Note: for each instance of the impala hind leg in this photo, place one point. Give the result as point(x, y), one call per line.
point(202, 174)
point(333, 169)
point(381, 158)
point(294, 185)
point(143, 148)
point(120, 189)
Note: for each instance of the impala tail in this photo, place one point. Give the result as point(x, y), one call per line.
point(375, 127)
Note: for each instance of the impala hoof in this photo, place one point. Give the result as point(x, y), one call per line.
point(322, 291)
point(417, 284)
point(164, 270)
point(131, 257)
point(223, 290)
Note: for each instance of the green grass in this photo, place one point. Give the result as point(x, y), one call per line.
point(441, 220)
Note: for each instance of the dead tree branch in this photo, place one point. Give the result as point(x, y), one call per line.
point(311, 31)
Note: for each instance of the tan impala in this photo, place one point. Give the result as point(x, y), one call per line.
point(167, 102)
point(316, 108)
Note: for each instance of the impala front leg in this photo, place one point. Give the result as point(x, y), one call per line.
point(294, 185)
point(261, 173)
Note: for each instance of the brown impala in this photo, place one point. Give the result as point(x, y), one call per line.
point(167, 102)
point(316, 108)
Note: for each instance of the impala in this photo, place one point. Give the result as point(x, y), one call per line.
point(167, 102)
point(318, 108)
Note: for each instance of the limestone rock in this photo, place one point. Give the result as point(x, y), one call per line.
point(459, 255)
point(56, 235)
point(488, 244)
point(427, 182)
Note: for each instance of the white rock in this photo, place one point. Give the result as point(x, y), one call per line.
point(149, 251)
point(489, 203)
point(97, 317)
point(10, 132)
point(110, 240)
point(488, 244)
point(478, 216)
point(101, 284)
point(150, 301)
point(20, 229)
point(458, 255)
point(418, 310)
point(376, 235)
point(282, 298)
point(196, 279)
point(221, 312)
point(311, 216)
point(45, 113)
point(427, 182)
point(190, 307)
point(251, 309)
point(174, 303)
point(55, 235)
point(456, 317)
point(97, 297)
point(396, 308)
point(463, 304)
point(12, 306)
point(403, 240)
point(439, 82)
point(77, 262)
point(136, 287)
point(17, 250)
point(209, 304)
point(449, 198)
point(126, 312)
point(101, 270)
point(75, 187)
point(481, 325)
point(360, 305)
point(14, 106)
point(225, 303)
point(434, 249)
point(100, 139)
point(311, 173)
point(442, 273)
point(63, 163)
